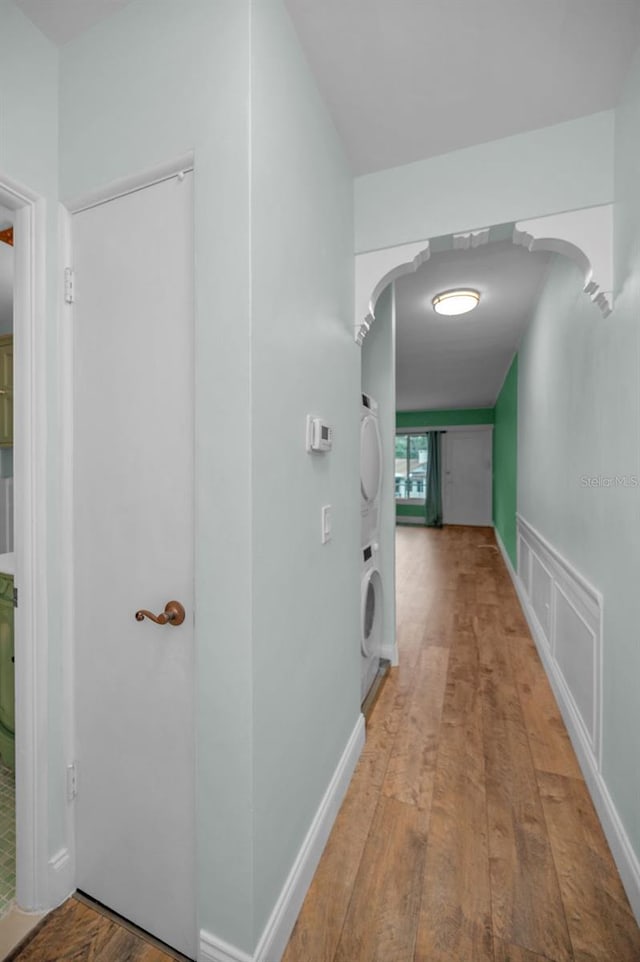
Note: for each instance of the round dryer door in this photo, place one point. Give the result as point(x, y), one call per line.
point(370, 458)
point(371, 613)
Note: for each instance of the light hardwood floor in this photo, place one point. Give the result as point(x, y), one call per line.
point(79, 931)
point(467, 834)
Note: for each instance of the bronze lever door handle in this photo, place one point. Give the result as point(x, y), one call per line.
point(173, 614)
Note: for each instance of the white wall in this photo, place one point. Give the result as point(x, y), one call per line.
point(306, 595)
point(159, 78)
point(578, 430)
point(277, 627)
point(546, 171)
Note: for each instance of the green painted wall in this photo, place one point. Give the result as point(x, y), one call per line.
point(438, 419)
point(505, 462)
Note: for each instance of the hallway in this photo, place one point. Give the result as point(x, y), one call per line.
point(467, 834)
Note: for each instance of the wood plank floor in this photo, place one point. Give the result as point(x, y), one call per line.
point(82, 932)
point(467, 834)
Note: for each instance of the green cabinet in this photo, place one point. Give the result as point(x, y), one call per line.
point(6, 390)
point(7, 675)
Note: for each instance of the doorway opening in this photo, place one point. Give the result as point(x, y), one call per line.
point(447, 386)
point(24, 867)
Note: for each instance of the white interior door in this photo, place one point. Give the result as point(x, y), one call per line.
point(133, 549)
point(467, 491)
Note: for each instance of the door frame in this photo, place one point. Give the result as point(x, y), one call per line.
point(30, 541)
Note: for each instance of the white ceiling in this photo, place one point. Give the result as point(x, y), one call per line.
point(461, 362)
point(407, 79)
point(63, 20)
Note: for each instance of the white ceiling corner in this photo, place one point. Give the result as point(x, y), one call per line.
point(409, 79)
point(64, 20)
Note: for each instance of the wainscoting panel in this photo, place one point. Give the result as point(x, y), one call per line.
point(567, 614)
point(542, 595)
point(524, 565)
point(573, 662)
point(576, 653)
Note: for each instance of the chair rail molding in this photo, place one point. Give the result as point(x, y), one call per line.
point(585, 236)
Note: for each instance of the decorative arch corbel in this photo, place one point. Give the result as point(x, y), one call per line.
point(584, 236)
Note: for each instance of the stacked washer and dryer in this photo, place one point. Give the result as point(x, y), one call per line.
point(371, 583)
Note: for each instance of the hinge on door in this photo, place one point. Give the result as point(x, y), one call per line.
point(68, 285)
point(15, 597)
point(72, 781)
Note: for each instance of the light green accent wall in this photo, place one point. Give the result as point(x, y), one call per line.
point(306, 595)
point(437, 419)
point(378, 380)
point(29, 155)
point(579, 419)
point(152, 81)
point(277, 640)
point(545, 171)
point(505, 462)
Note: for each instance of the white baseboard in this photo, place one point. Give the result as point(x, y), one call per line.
point(505, 556)
point(277, 931)
point(216, 950)
point(624, 856)
point(390, 652)
point(409, 519)
point(61, 882)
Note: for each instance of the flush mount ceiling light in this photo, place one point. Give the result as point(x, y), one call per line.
point(455, 302)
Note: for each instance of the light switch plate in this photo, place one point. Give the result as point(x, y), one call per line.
point(326, 523)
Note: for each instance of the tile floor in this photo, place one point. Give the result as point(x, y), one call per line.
point(7, 839)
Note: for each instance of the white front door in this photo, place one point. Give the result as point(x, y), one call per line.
point(133, 549)
point(467, 490)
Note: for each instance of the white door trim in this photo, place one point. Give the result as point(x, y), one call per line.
point(30, 527)
point(131, 183)
point(62, 865)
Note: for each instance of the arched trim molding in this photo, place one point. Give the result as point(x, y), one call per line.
point(584, 236)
